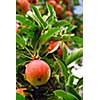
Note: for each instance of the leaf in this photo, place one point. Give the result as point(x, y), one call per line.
point(63, 66)
point(74, 56)
point(63, 94)
point(19, 97)
point(71, 27)
point(47, 35)
point(61, 23)
point(73, 91)
point(51, 10)
point(64, 53)
point(78, 40)
point(51, 18)
point(20, 40)
point(25, 20)
point(80, 82)
point(76, 2)
point(39, 17)
point(70, 80)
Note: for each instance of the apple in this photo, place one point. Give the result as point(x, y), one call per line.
point(37, 72)
point(58, 8)
point(68, 13)
point(23, 6)
point(54, 45)
point(52, 2)
point(21, 91)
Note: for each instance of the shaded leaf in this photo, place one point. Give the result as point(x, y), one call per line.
point(63, 66)
point(80, 82)
point(73, 91)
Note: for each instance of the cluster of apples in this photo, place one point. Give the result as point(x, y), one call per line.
point(62, 7)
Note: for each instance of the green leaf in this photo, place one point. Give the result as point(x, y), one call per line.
point(74, 56)
point(39, 17)
point(20, 40)
point(64, 53)
point(62, 66)
point(19, 97)
point(70, 80)
point(61, 23)
point(25, 20)
point(76, 2)
point(73, 91)
point(51, 17)
point(71, 27)
point(47, 35)
point(65, 95)
point(78, 40)
point(51, 11)
point(80, 82)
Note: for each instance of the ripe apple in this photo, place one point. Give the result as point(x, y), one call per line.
point(52, 2)
point(23, 6)
point(37, 72)
point(54, 45)
point(58, 8)
point(21, 91)
point(68, 13)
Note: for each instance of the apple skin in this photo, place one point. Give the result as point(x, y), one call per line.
point(21, 91)
point(37, 72)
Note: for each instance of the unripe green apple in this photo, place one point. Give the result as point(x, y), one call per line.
point(37, 72)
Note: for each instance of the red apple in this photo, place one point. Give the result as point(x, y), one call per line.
point(58, 8)
point(37, 72)
point(68, 13)
point(54, 45)
point(52, 2)
point(23, 6)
